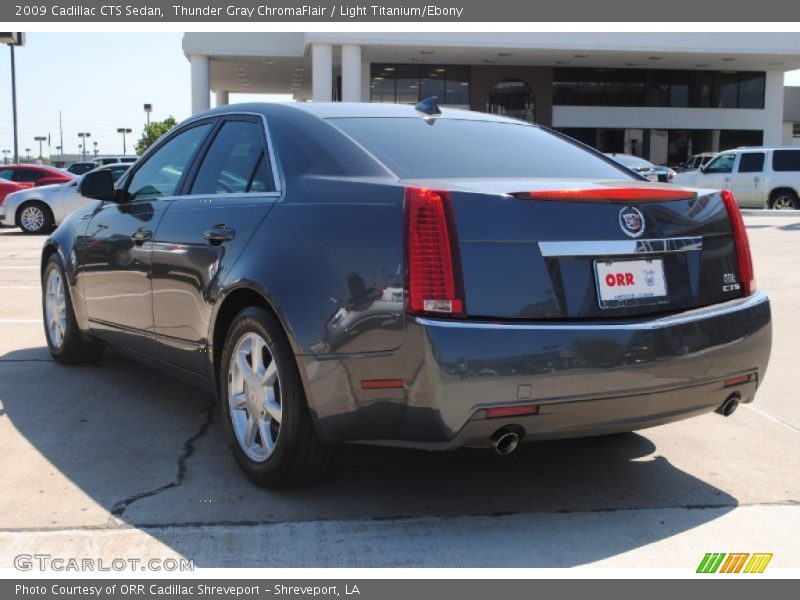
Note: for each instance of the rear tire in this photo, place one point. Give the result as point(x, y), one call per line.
point(784, 200)
point(65, 341)
point(264, 408)
point(35, 218)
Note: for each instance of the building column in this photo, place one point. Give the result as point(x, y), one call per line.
point(222, 98)
point(321, 72)
point(351, 73)
point(201, 82)
point(773, 108)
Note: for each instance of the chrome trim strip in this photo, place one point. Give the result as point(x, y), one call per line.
point(697, 314)
point(620, 247)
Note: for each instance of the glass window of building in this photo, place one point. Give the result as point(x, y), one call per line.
point(381, 85)
point(751, 90)
point(457, 86)
point(408, 84)
point(725, 92)
point(512, 98)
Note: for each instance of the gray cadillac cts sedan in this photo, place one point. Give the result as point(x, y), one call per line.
point(409, 276)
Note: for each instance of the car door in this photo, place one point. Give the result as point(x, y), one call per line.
point(115, 254)
point(717, 174)
point(747, 179)
point(231, 189)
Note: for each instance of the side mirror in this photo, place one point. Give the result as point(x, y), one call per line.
point(98, 185)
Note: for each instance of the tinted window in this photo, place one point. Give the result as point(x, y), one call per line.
point(6, 174)
point(412, 148)
point(25, 175)
point(721, 164)
point(786, 160)
point(161, 172)
point(232, 160)
point(751, 162)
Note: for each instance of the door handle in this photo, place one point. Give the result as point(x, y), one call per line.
point(219, 234)
point(142, 235)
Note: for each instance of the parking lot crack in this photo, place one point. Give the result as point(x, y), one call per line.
point(120, 507)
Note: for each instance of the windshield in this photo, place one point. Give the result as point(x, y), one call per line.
point(453, 148)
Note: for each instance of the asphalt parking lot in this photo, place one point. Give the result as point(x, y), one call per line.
point(114, 460)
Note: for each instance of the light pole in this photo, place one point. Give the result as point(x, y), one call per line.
point(83, 135)
point(40, 139)
point(14, 39)
point(5, 156)
point(28, 154)
point(123, 131)
point(95, 149)
point(148, 108)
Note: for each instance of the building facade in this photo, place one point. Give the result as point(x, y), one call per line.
point(663, 96)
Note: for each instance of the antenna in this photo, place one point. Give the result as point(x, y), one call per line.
point(429, 109)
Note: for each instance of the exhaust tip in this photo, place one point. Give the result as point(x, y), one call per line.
point(506, 439)
point(730, 405)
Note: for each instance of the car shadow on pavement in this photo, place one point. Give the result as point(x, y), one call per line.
point(119, 439)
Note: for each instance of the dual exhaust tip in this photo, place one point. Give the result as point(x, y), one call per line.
point(506, 439)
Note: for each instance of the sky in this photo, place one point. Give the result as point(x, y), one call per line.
point(100, 82)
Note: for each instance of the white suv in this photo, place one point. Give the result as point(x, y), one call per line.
point(758, 177)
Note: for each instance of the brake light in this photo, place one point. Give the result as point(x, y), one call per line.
point(625, 194)
point(741, 244)
point(433, 274)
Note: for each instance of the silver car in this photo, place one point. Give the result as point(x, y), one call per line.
point(39, 210)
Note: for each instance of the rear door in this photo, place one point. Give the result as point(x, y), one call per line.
point(114, 256)
point(231, 188)
point(747, 180)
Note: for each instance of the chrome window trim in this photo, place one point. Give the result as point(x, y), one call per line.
point(690, 316)
point(620, 247)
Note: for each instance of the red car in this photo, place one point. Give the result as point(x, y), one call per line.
point(37, 175)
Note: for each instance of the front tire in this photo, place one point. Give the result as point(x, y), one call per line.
point(264, 408)
point(35, 218)
point(64, 339)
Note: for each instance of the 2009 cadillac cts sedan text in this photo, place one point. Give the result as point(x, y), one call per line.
point(409, 276)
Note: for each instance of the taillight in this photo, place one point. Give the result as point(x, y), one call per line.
point(625, 194)
point(747, 276)
point(433, 275)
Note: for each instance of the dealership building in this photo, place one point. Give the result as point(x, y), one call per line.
point(663, 96)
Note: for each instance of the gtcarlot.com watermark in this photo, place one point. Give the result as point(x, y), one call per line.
point(48, 562)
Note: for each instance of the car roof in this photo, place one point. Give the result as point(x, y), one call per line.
point(330, 110)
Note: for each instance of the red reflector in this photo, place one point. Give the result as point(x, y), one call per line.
point(610, 195)
point(432, 271)
point(747, 277)
point(736, 380)
point(512, 411)
point(381, 384)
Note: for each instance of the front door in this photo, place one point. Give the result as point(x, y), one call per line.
point(718, 174)
point(115, 255)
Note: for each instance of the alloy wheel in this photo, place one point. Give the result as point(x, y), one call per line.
point(32, 218)
point(55, 309)
point(254, 397)
point(784, 202)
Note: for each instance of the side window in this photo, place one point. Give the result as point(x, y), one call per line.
point(27, 176)
point(236, 162)
point(6, 174)
point(751, 162)
point(160, 174)
point(786, 160)
point(721, 164)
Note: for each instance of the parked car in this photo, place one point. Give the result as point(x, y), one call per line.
point(695, 161)
point(110, 160)
point(758, 177)
point(79, 168)
point(38, 210)
point(644, 167)
point(509, 284)
point(38, 175)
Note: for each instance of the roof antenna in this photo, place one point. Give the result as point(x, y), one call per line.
point(429, 108)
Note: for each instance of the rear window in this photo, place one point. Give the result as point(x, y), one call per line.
point(411, 148)
point(786, 160)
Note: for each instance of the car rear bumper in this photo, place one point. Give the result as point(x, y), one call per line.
point(586, 378)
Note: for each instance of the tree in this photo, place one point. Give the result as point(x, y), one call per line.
point(152, 131)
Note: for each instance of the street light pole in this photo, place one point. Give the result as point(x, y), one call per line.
point(84, 135)
point(95, 149)
point(40, 139)
point(14, 103)
point(123, 131)
point(148, 108)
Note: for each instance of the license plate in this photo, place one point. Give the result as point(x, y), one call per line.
point(630, 282)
